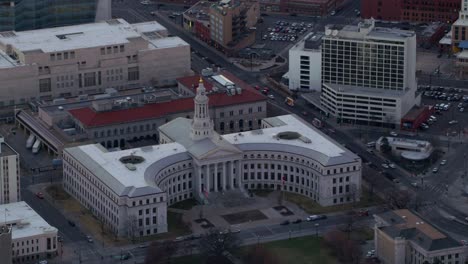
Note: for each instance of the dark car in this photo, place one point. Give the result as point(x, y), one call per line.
point(297, 221)
point(363, 212)
point(71, 223)
point(286, 222)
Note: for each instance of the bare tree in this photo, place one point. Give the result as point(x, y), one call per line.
point(132, 227)
point(397, 199)
point(160, 253)
point(216, 243)
point(345, 249)
point(261, 255)
point(353, 193)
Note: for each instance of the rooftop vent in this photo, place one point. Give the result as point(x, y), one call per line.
point(8, 34)
point(131, 159)
point(130, 167)
point(113, 22)
point(288, 135)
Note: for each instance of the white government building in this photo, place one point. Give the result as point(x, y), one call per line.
point(87, 59)
point(32, 238)
point(129, 190)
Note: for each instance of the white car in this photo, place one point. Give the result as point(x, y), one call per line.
point(393, 134)
point(391, 165)
point(453, 122)
point(385, 165)
point(443, 162)
point(271, 96)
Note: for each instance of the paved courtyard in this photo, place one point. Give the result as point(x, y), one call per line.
point(258, 211)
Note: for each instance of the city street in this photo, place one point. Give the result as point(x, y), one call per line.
point(341, 17)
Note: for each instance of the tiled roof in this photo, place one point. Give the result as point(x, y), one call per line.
point(90, 118)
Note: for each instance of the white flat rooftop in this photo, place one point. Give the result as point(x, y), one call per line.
point(311, 141)
point(115, 175)
point(24, 220)
point(461, 22)
point(105, 33)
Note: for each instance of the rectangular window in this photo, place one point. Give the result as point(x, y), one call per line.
point(133, 74)
point(45, 85)
point(89, 79)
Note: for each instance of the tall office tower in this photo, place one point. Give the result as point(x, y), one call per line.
point(9, 174)
point(34, 14)
point(368, 73)
point(5, 244)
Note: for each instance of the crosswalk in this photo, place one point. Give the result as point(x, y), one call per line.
point(436, 188)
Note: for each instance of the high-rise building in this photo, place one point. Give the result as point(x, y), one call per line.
point(459, 40)
point(88, 58)
point(232, 22)
point(411, 10)
point(5, 244)
point(368, 73)
point(460, 27)
point(305, 66)
point(9, 174)
point(34, 14)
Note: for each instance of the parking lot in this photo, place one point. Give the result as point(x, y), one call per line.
point(451, 110)
point(278, 33)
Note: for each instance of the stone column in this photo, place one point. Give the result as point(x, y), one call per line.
point(207, 179)
point(231, 174)
point(238, 173)
point(224, 176)
point(198, 181)
point(215, 178)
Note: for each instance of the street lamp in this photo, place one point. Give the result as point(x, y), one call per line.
point(316, 229)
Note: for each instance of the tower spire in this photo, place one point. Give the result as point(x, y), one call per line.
point(202, 125)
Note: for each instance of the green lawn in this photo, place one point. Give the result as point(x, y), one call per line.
point(311, 207)
point(185, 204)
point(302, 250)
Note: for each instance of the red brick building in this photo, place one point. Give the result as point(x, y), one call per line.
point(411, 10)
point(302, 7)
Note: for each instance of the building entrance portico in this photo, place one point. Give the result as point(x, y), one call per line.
point(217, 176)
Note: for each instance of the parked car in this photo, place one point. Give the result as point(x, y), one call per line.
point(363, 212)
point(71, 223)
point(316, 217)
point(391, 165)
point(443, 162)
point(297, 221)
point(40, 195)
point(435, 170)
point(286, 222)
point(271, 96)
point(453, 122)
point(393, 134)
point(385, 165)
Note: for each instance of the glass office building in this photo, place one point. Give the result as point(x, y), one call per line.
point(34, 14)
